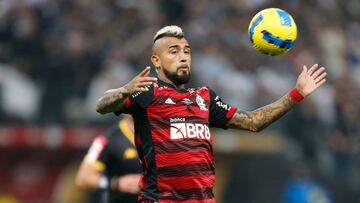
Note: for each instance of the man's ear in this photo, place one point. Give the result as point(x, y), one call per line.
point(155, 61)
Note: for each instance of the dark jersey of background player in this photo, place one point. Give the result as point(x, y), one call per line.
point(114, 154)
point(179, 166)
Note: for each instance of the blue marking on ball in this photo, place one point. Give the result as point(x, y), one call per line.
point(285, 44)
point(253, 25)
point(285, 19)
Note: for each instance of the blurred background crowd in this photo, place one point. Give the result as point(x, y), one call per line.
point(58, 56)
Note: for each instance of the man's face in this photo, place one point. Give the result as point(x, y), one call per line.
point(174, 59)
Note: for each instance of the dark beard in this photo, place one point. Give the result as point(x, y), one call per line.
point(177, 79)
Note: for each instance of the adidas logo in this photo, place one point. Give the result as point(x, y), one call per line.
point(169, 101)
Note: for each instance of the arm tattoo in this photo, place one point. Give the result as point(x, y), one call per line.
point(111, 101)
point(261, 117)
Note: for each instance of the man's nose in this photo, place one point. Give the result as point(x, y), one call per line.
point(184, 57)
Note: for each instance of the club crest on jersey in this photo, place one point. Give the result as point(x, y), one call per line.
point(201, 103)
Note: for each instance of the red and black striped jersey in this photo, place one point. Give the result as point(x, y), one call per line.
point(174, 142)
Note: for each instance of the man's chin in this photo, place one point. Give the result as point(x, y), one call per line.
point(183, 74)
point(179, 78)
point(183, 79)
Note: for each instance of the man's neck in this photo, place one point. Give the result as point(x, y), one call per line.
point(165, 79)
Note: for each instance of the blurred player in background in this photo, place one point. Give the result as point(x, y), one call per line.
point(172, 122)
point(111, 165)
point(303, 187)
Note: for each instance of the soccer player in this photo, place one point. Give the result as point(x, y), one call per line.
point(172, 122)
point(111, 165)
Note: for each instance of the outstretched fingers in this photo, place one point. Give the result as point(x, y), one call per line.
point(147, 79)
point(320, 77)
point(144, 72)
point(145, 83)
point(141, 82)
point(312, 69)
point(304, 70)
point(321, 82)
point(141, 89)
point(309, 80)
point(143, 76)
point(143, 79)
point(318, 72)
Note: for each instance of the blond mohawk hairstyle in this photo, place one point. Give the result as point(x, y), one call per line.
point(169, 31)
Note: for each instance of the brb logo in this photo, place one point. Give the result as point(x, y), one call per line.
point(189, 130)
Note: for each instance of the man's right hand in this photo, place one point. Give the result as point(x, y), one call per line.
point(113, 99)
point(139, 83)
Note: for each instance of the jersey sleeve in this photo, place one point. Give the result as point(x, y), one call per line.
point(98, 153)
point(220, 112)
point(139, 100)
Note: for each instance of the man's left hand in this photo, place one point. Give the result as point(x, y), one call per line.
point(310, 79)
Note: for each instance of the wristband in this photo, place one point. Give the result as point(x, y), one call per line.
point(103, 182)
point(295, 95)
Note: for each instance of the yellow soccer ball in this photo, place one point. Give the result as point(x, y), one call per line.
point(272, 31)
